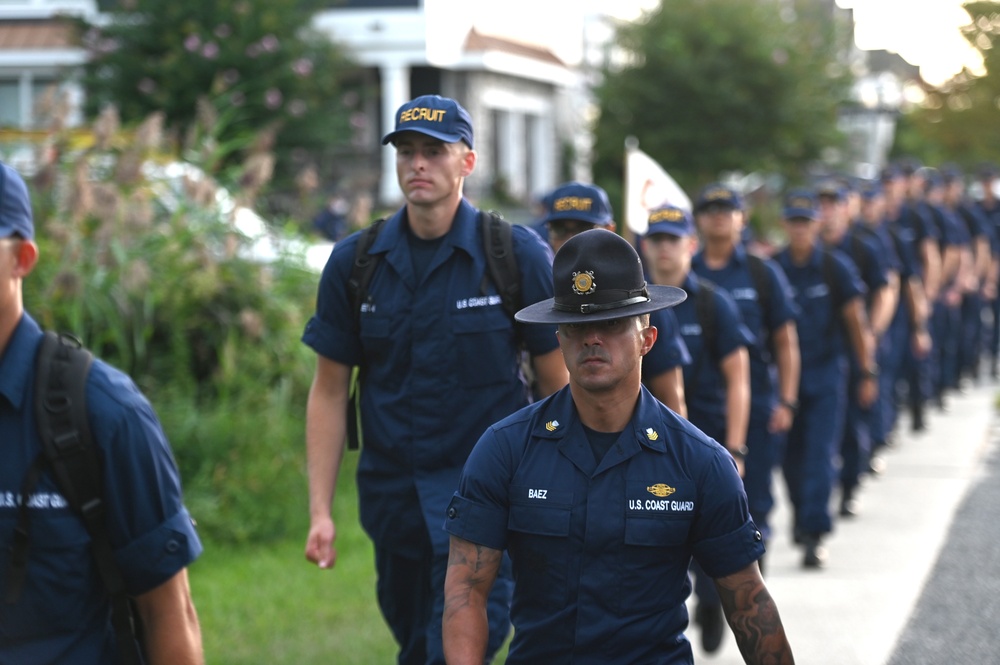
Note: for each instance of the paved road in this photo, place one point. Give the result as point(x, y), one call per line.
point(915, 579)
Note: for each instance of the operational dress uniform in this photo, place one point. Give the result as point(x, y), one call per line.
point(670, 351)
point(764, 446)
point(857, 441)
point(439, 364)
point(63, 614)
point(601, 547)
point(811, 444)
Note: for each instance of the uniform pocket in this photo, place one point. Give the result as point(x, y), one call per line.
point(539, 543)
point(484, 346)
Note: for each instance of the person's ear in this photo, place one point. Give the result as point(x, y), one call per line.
point(649, 336)
point(27, 257)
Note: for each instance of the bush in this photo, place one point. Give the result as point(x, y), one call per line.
point(157, 282)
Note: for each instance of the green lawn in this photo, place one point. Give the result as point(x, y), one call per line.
point(268, 605)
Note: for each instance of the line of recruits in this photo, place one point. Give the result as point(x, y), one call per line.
point(879, 280)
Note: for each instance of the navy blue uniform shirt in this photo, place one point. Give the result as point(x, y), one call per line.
point(670, 351)
point(64, 615)
point(822, 338)
point(439, 359)
point(601, 549)
point(704, 384)
point(736, 279)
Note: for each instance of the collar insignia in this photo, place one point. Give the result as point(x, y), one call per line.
point(652, 434)
point(552, 425)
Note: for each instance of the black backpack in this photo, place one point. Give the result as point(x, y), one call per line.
point(501, 269)
point(69, 452)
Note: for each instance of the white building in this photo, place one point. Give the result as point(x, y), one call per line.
point(521, 97)
point(36, 56)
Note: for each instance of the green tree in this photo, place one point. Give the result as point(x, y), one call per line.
point(960, 121)
point(714, 85)
point(256, 62)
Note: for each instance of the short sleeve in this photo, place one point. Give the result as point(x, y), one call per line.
point(732, 332)
point(478, 511)
point(782, 305)
point(331, 330)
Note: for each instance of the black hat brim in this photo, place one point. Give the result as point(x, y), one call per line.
point(660, 297)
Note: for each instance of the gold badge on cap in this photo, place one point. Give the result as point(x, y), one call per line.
point(552, 425)
point(583, 282)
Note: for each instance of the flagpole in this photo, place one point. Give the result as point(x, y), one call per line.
point(631, 144)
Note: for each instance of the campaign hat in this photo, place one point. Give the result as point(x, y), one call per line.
point(438, 117)
point(15, 205)
point(597, 276)
point(579, 201)
point(670, 220)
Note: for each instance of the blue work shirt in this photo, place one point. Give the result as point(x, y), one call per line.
point(439, 364)
point(822, 338)
point(64, 613)
point(868, 258)
point(601, 549)
point(736, 279)
point(670, 351)
point(704, 383)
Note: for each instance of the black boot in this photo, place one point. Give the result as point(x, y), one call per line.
point(815, 554)
point(709, 618)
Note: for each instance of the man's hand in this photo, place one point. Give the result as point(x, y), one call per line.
point(319, 544)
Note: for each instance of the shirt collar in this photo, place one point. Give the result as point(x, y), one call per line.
point(17, 360)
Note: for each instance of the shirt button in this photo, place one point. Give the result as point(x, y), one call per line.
point(757, 536)
point(172, 546)
point(452, 513)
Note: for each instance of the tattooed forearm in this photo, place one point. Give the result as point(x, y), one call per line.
point(471, 567)
point(753, 616)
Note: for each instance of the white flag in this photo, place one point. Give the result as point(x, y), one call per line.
point(647, 186)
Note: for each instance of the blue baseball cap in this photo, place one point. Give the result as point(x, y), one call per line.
point(15, 205)
point(871, 190)
point(580, 202)
point(718, 194)
point(670, 220)
point(831, 189)
point(439, 117)
point(801, 204)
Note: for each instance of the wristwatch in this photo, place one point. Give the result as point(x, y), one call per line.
point(740, 453)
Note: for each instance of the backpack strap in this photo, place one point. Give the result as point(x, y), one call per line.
point(362, 271)
point(761, 284)
point(363, 268)
point(501, 264)
point(705, 311)
point(62, 366)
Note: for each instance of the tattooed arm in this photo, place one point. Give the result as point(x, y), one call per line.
point(753, 616)
point(472, 569)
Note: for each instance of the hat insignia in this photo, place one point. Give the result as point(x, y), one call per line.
point(583, 282)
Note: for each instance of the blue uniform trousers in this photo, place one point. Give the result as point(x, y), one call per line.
point(765, 454)
point(856, 442)
point(812, 442)
point(971, 345)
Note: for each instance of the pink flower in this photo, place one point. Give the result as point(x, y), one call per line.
point(272, 98)
point(192, 43)
point(253, 50)
point(210, 50)
point(269, 43)
point(223, 30)
point(297, 108)
point(302, 66)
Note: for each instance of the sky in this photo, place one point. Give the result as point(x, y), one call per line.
point(924, 32)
